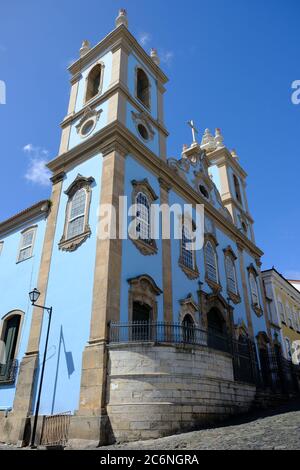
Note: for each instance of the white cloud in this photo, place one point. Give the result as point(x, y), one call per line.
point(37, 171)
point(144, 38)
point(167, 57)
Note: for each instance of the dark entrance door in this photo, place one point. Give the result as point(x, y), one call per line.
point(141, 316)
point(217, 333)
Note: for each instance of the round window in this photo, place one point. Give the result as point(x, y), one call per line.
point(203, 191)
point(143, 132)
point(87, 127)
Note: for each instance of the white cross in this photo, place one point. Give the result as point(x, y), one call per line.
point(194, 130)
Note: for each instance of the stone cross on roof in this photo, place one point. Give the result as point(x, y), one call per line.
point(194, 131)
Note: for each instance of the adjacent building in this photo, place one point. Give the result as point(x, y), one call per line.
point(148, 337)
point(284, 311)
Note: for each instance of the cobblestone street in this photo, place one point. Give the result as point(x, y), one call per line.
point(275, 430)
point(270, 430)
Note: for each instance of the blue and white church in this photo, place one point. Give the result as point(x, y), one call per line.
point(147, 337)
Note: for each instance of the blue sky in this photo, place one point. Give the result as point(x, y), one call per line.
point(230, 63)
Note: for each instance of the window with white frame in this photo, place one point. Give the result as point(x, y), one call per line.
point(254, 290)
point(231, 274)
point(143, 227)
point(281, 312)
point(211, 262)
point(187, 255)
point(77, 210)
point(290, 317)
point(288, 347)
point(26, 244)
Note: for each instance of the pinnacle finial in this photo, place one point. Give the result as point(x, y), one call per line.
point(219, 139)
point(85, 47)
point(154, 56)
point(234, 154)
point(208, 141)
point(122, 18)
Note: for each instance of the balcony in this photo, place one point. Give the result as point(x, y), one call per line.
point(8, 372)
point(170, 333)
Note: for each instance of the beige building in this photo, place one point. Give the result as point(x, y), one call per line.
point(284, 310)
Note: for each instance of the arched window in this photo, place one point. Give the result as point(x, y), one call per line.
point(8, 347)
point(237, 188)
point(26, 243)
point(211, 262)
point(188, 329)
point(143, 217)
point(93, 82)
point(77, 214)
point(187, 255)
point(76, 228)
point(143, 87)
point(231, 274)
point(254, 290)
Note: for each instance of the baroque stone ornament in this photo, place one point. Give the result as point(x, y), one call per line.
point(89, 116)
point(71, 244)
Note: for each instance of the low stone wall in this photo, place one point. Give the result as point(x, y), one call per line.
point(157, 390)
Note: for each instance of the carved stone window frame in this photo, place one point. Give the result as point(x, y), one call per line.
point(140, 67)
point(255, 307)
point(143, 289)
point(3, 322)
point(190, 273)
point(234, 296)
point(188, 306)
point(88, 115)
point(100, 88)
point(71, 244)
point(142, 118)
point(143, 186)
point(215, 286)
point(32, 228)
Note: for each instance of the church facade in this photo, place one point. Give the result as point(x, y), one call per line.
point(145, 334)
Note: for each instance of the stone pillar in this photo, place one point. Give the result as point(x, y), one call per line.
point(66, 126)
point(117, 102)
point(265, 307)
point(166, 260)
point(90, 422)
point(245, 289)
point(160, 117)
point(23, 402)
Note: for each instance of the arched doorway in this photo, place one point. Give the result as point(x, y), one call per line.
point(216, 330)
point(141, 317)
point(188, 329)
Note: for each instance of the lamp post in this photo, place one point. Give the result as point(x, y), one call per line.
point(34, 296)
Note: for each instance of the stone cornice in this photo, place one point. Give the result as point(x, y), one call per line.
point(117, 135)
point(273, 276)
point(231, 200)
point(117, 87)
point(119, 37)
point(25, 216)
point(221, 154)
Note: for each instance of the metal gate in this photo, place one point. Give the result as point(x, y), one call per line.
point(56, 430)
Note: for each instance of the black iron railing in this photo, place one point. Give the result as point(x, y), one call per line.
point(8, 372)
point(161, 332)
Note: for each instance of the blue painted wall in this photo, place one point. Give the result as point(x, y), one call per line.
point(16, 281)
point(133, 262)
point(70, 290)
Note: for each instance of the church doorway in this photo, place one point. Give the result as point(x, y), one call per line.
point(188, 329)
point(141, 317)
point(216, 330)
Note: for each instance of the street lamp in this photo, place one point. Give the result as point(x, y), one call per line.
point(34, 296)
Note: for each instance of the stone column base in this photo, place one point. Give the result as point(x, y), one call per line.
point(89, 431)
